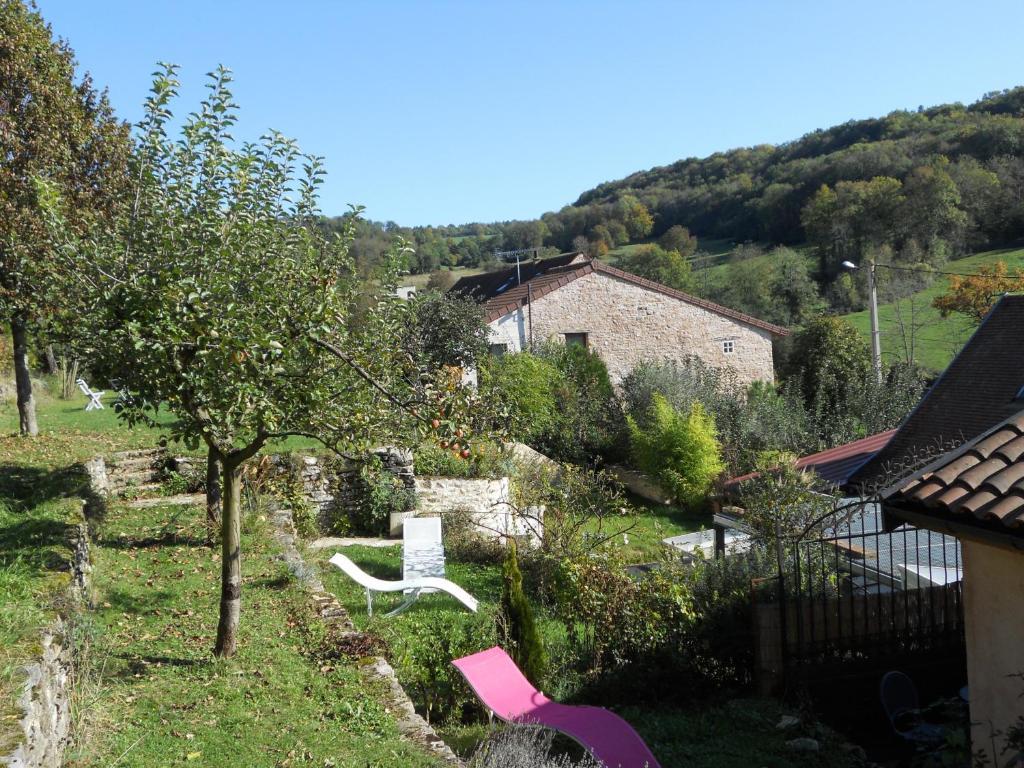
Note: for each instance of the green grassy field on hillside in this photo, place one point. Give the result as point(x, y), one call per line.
point(912, 329)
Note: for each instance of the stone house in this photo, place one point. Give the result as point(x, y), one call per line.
point(626, 319)
point(956, 466)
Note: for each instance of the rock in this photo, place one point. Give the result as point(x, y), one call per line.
point(787, 721)
point(803, 744)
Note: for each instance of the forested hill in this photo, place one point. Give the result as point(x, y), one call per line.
point(927, 185)
point(758, 193)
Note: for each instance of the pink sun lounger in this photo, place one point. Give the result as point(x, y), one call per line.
point(503, 689)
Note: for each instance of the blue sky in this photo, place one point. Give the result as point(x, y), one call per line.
point(451, 112)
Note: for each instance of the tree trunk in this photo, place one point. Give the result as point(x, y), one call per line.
point(212, 492)
point(231, 560)
point(51, 360)
point(22, 377)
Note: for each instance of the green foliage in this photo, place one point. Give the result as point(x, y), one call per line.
point(523, 388)
point(572, 511)
point(559, 401)
point(678, 238)
point(777, 287)
point(768, 418)
point(487, 460)
point(519, 630)
point(666, 267)
point(381, 494)
point(422, 650)
point(828, 360)
point(590, 422)
point(679, 449)
point(58, 138)
point(446, 330)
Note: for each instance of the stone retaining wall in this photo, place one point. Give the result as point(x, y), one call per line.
point(374, 669)
point(642, 485)
point(45, 699)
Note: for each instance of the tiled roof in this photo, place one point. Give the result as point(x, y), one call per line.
point(977, 391)
point(981, 482)
point(500, 295)
point(487, 285)
point(835, 465)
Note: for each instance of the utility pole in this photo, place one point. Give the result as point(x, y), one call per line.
point(876, 342)
point(876, 339)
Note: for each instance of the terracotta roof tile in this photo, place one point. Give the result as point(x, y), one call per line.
point(951, 496)
point(954, 469)
point(1002, 482)
point(976, 475)
point(928, 489)
point(1007, 510)
point(834, 465)
point(1012, 450)
point(982, 482)
point(976, 501)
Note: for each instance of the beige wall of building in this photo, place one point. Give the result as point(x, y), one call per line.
point(994, 617)
point(626, 324)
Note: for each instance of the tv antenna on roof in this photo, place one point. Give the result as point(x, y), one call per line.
point(507, 256)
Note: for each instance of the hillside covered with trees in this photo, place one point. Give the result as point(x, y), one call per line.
point(912, 188)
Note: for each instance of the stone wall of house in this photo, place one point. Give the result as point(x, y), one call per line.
point(627, 324)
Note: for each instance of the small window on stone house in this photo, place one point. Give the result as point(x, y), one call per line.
point(729, 346)
point(580, 339)
point(499, 349)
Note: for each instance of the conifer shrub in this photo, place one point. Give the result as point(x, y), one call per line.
point(520, 635)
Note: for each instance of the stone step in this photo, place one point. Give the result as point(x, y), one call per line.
point(154, 453)
point(135, 463)
point(132, 479)
point(140, 488)
point(181, 500)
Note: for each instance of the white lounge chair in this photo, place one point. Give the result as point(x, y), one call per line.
point(412, 587)
point(94, 396)
point(422, 548)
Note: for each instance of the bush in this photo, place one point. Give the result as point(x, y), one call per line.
point(591, 424)
point(559, 401)
point(523, 387)
point(464, 543)
point(675, 628)
point(487, 461)
point(446, 329)
point(679, 450)
point(422, 647)
point(519, 630)
point(524, 746)
point(383, 494)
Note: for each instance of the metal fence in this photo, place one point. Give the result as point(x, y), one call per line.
point(859, 593)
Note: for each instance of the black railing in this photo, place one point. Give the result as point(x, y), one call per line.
point(858, 593)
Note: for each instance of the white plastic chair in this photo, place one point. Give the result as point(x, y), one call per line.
point(93, 395)
point(412, 587)
point(422, 548)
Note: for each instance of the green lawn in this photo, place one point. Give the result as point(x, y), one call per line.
point(708, 734)
point(151, 693)
point(40, 491)
point(653, 522)
point(159, 698)
point(937, 339)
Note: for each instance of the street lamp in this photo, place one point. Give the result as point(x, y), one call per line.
point(876, 344)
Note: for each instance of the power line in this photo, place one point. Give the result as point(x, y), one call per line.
point(926, 270)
